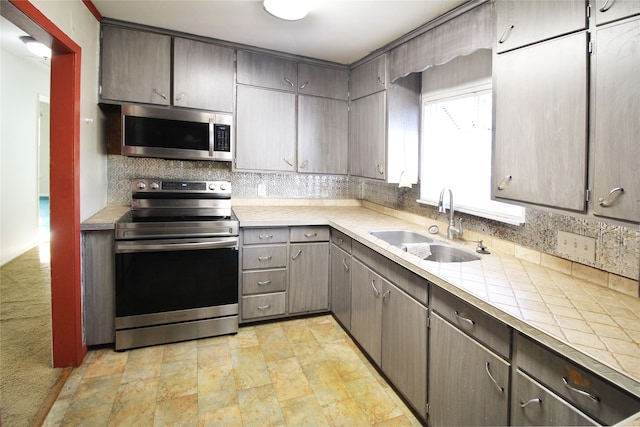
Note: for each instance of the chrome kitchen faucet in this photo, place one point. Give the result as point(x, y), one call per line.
point(452, 231)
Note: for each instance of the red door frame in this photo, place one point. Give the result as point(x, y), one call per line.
point(66, 300)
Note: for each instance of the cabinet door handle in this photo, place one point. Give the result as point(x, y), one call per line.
point(505, 35)
point(265, 258)
point(611, 197)
point(344, 263)
point(180, 96)
point(264, 282)
point(380, 81)
point(380, 170)
point(304, 85)
point(504, 182)
point(309, 235)
point(264, 307)
point(297, 254)
point(607, 4)
point(373, 285)
point(530, 401)
point(289, 81)
point(387, 294)
point(596, 399)
point(500, 388)
point(160, 94)
point(265, 236)
point(287, 161)
point(304, 164)
point(464, 319)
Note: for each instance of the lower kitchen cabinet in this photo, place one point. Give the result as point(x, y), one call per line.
point(341, 286)
point(468, 383)
point(366, 309)
point(308, 277)
point(99, 286)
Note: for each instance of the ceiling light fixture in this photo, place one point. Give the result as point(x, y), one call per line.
point(36, 47)
point(289, 10)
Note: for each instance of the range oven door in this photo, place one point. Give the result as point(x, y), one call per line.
point(175, 281)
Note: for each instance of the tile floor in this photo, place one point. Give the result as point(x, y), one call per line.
point(302, 372)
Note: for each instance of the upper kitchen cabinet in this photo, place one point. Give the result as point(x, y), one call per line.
point(368, 78)
point(266, 71)
point(135, 66)
point(265, 129)
point(520, 23)
point(367, 120)
point(202, 75)
point(611, 10)
point(540, 123)
point(323, 81)
point(617, 129)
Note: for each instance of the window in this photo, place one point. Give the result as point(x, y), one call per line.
point(456, 153)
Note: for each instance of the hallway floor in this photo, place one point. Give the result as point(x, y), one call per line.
point(302, 372)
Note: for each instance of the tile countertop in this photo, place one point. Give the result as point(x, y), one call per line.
point(591, 324)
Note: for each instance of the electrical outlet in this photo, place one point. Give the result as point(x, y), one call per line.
point(262, 190)
point(576, 246)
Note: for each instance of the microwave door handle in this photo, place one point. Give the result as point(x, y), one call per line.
point(211, 136)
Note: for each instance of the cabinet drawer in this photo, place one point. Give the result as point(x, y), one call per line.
point(263, 305)
point(607, 404)
point(309, 234)
point(261, 257)
point(252, 236)
point(474, 322)
point(341, 240)
point(260, 282)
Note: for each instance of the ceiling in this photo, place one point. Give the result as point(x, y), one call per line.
point(10, 42)
point(341, 31)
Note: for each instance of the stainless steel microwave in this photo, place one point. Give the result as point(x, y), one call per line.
point(176, 134)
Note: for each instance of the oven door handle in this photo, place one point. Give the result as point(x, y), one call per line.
point(131, 247)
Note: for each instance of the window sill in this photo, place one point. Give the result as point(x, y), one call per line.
point(504, 218)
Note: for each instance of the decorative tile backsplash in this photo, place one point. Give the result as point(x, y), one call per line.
point(617, 246)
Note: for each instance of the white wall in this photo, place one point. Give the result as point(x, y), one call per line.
point(75, 20)
point(21, 83)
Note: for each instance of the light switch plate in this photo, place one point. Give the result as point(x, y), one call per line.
point(576, 246)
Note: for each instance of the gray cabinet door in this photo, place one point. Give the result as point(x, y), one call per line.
point(323, 81)
point(540, 130)
point(468, 384)
point(519, 23)
point(268, 71)
point(265, 129)
point(341, 286)
point(367, 131)
point(368, 78)
point(617, 129)
point(404, 345)
point(135, 66)
point(323, 126)
point(366, 309)
point(99, 287)
point(612, 10)
point(534, 405)
point(308, 277)
point(202, 75)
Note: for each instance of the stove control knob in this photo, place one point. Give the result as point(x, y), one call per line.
point(223, 187)
point(212, 186)
point(155, 186)
point(142, 185)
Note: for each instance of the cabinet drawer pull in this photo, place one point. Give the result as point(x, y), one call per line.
point(505, 35)
point(265, 236)
point(160, 94)
point(264, 307)
point(289, 81)
point(373, 285)
point(264, 282)
point(304, 85)
point(465, 319)
point(504, 182)
point(310, 234)
point(486, 367)
point(611, 197)
point(606, 6)
point(596, 399)
point(265, 258)
point(530, 401)
point(339, 240)
point(181, 95)
point(344, 263)
point(297, 254)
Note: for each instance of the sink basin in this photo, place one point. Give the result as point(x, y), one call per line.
point(446, 253)
point(398, 237)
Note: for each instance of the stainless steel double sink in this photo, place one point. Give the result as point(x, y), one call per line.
point(440, 251)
